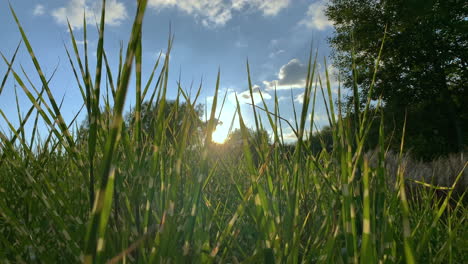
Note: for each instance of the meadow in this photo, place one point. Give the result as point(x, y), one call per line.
point(160, 191)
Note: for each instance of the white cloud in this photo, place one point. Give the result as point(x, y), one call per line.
point(319, 118)
point(244, 97)
point(161, 55)
point(291, 75)
point(315, 16)
point(299, 98)
point(274, 42)
point(333, 75)
point(267, 7)
point(210, 12)
point(116, 13)
point(39, 10)
point(213, 13)
point(275, 53)
point(289, 136)
point(81, 42)
point(320, 121)
point(221, 94)
point(241, 44)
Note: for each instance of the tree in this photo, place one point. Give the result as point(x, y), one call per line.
point(175, 114)
point(256, 140)
point(255, 137)
point(320, 140)
point(423, 69)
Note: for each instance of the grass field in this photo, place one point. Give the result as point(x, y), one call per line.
point(126, 193)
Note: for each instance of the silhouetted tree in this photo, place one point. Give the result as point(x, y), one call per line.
point(423, 69)
point(257, 140)
point(174, 113)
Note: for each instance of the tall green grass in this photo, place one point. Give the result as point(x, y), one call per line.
point(122, 194)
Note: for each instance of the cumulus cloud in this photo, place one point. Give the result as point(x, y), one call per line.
point(320, 121)
point(320, 118)
point(213, 13)
point(267, 7)
point(333, 75)
point(39, 10)
point(315, 17)
point(289, 136)
point(116, 13)
point(291, 75)
point(244, 96)
point(210, 12)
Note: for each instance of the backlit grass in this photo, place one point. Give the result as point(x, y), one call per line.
point(119, 192)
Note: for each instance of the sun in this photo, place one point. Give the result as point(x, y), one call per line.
point(219, 136)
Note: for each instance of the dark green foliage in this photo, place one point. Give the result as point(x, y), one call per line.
point(258, 137)
point(234, 143)
point(175, 112)
point(320, 140)
point(423, 69)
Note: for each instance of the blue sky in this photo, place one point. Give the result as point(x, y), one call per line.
point(274, 35)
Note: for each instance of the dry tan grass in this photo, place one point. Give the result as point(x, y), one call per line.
point(441, 172)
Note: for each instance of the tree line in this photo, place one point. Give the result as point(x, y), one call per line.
point(422, 74)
